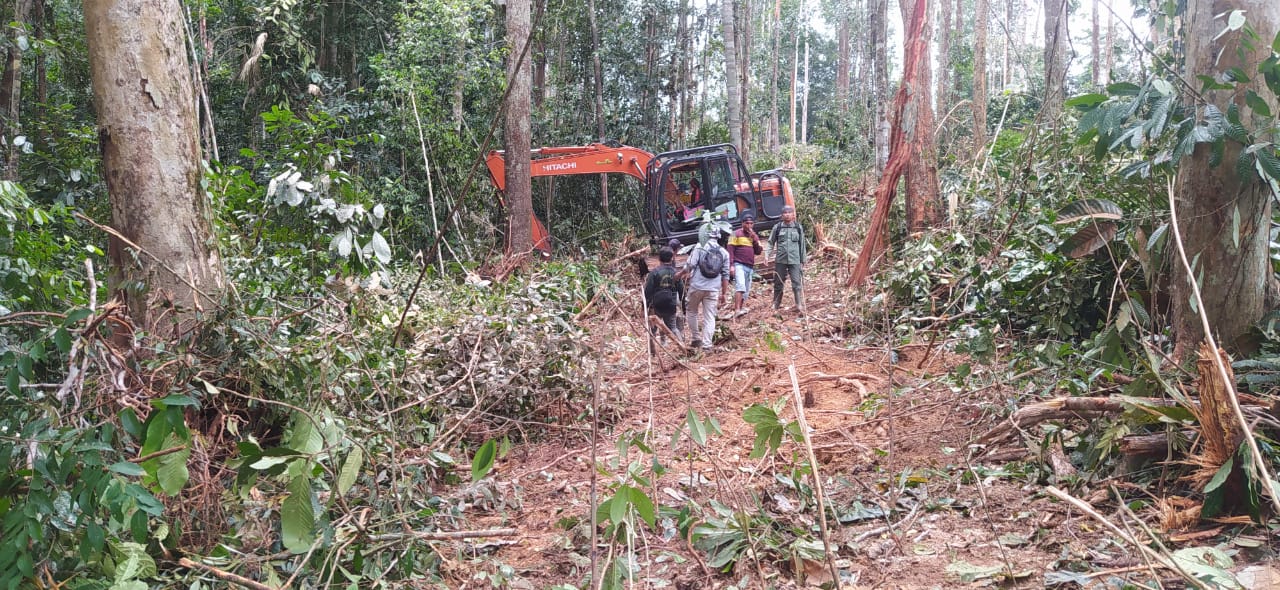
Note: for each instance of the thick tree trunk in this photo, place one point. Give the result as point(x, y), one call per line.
point(880, 57)
point(145, 102)
point(519, 186)
point(1231, 256)
point(731, 77)
point(11, 86)
point(1055, 57)
point(980, 19)
point(921, 197)
point(598, 106)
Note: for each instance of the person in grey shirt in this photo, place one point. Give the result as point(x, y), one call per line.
point(706, 293)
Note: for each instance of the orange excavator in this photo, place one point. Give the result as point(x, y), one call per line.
point(681, 188)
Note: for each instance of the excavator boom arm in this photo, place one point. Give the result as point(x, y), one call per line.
point(595, 158)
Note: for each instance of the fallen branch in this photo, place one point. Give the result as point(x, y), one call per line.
point(1147, 445)
point(817, 478)
point(1059, 409)
point(632, 254)
point(1160, 558)
point(444, 535)
point(224, 575)
point(658, 323)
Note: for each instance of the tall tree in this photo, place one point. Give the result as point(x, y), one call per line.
point(732, 80)
point(1095, 54)
point(980, 13)
point(11, 85)
point(880, 61)
point(598, 76)
point(744, 73)
point(1055, 56)
point(921, 198)
point(517, 131)
point(775, 34)
point(943, 92)
point(145, 102)
point(843, 65)
point(1225, 219)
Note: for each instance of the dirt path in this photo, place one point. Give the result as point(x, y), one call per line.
point(890, 432)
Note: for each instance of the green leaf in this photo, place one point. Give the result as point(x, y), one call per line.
point(175, 401)
point(1123, 89)
point(132, 562)
point(62, 339)
point(76, 315)
point(128, 469)
point(350, 470)
point(696, 430)
point(483, 461)
point(172, 474)
point(1235, 20)
point(1256, 103)
point(1270, 164)
point(1275, 44)
point(1089, 209)
point(381, 249)
point(297, 517)
point(1086, 100)
point(618, 507)
point(644, 506)
point(1220, 477)
point(304, 436)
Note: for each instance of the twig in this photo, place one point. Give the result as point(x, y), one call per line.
point(1259, 460)
point(813, 472)
point(1084, 507)
point(224, 575)
point(135, 246)
point(150, 456)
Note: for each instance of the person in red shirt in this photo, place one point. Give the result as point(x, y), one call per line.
point(744, 245)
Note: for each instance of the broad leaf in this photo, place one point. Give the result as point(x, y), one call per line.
point(297, 517)
point(381, 248)
point(1086, 100)
point(1089, 239)
point(483, 461)
point(1256, 103)
point(350, 470)
point(1090, 209)
point(696, 430)
point(172, 474)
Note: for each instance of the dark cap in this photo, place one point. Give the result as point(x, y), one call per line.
point(674, 244)
point(748, 217)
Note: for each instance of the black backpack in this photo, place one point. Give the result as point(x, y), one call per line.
point(665, 296)
point(711, 262)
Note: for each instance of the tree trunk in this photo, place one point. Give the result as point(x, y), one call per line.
point(598, 75)
point(795, 83)
point(880, 57)
point(843, 65)
point(731, 78)
point(775, 35)
point(1232, 266)
point(1111, 41)
point(680, 68)
point(804, 105)
point(1095, 51)
point(921, 197)
point(11, 87)
point(519, 186)
point(145, 102)
point(943, 93)
point(1055, 57)
point(980, 13)
point(538, 53)
point(1006, 73)
point(744, 75)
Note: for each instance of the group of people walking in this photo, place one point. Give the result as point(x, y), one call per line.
point(699, 288)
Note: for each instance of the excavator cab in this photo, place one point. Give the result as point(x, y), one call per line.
point(684, 184)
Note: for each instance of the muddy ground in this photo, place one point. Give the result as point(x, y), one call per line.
point(917, 505)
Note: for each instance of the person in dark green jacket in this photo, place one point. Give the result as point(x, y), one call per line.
point(789, 257)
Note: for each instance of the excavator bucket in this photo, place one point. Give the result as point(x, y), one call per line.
point(541, 237)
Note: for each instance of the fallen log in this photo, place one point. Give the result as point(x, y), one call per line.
point(1061, 408)
point(1150, 445)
